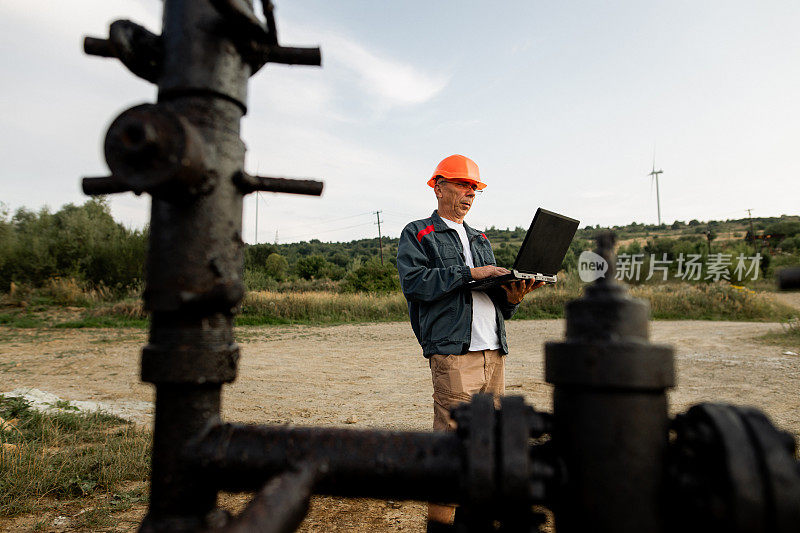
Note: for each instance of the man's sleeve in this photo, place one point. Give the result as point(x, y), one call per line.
point(498, 296)
point(419, 281)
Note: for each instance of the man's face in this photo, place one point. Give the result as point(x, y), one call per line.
point(455, 197)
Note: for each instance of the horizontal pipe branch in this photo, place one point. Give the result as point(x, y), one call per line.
point(291, 55)
point(103, 185)
point(95, 46)
point(280, 506)
point(248, 183)
point(357, 463)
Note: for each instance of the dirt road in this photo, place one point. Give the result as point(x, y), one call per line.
point(373, 375)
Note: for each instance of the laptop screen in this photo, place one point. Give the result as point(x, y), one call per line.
point(546, 243)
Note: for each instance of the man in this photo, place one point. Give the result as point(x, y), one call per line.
point(461, 332)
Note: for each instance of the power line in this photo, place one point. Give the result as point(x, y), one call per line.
point(336, 219)
point(408, 216)
point(312, 224)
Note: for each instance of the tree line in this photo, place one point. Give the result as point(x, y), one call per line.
point(82, 242)
point(85, 243)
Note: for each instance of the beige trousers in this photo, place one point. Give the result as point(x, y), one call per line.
point(455, 379)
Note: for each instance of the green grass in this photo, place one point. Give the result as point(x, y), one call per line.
point(17, 319)
point(103, 322)
point(69, 456)
point(788, 338)
point(52, 317)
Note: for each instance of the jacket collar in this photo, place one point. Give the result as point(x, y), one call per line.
point(439, 225)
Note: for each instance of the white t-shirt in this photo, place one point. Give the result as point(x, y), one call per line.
point(484, 318)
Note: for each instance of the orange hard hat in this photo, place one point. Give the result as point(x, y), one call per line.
point(458, 167)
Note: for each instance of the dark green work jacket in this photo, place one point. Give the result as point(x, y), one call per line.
point(430, 261)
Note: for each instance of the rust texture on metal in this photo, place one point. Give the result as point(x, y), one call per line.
point(609, 409)
point(608, 458)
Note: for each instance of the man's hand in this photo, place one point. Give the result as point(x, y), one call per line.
point(488, 271)
point(516, 290)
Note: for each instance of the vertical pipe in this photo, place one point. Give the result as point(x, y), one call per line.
point(610, 411)
point(194, 263)
point(180, 497)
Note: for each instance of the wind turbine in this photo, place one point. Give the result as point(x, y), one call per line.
point(654, 174)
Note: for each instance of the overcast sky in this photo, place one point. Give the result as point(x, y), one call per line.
point(560, 104)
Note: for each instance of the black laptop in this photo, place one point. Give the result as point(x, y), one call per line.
point(541, 253)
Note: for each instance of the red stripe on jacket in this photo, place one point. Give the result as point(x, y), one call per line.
point(424, 232)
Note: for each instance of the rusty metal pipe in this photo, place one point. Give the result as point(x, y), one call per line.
point(357, 463)
point(280, 506)
point(289, 55)
point(95, 46)
point(103, 185)
point(248, 183)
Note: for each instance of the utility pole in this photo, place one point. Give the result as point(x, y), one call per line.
point(380, 240)
point(752, 231)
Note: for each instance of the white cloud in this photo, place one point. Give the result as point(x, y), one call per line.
point(387, 82)
point(67, 20)
point(391, 81)
point(290, 92)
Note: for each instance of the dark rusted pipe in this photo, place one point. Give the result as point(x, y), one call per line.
point(367, 463)
point(103, 185)
point(95, 46)
point(289, 55)
point(248, 183)
point(280, 506)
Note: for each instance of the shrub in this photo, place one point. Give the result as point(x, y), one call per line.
point(310, 267)
point(372, 276)
point(784, 227)
point(258, 280)
point(505, 255)
point(275, 266)
point(255, 255)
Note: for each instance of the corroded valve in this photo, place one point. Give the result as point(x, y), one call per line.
point(154, 150)
point(610, 409)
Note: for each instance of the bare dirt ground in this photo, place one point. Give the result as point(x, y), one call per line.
point(373, 376)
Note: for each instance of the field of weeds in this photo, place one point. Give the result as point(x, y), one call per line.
point(65, 303)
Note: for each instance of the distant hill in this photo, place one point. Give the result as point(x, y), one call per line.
point(506, 242)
